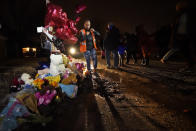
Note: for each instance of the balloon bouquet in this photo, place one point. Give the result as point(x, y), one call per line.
point(58, 27)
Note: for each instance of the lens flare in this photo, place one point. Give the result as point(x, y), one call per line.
point(72, 50)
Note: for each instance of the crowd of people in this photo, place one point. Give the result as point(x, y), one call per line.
point(165, 42)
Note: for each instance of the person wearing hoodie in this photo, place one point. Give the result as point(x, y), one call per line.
point(111, 42)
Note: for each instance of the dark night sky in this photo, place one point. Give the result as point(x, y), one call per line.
point(126, 14)
point(25, 15)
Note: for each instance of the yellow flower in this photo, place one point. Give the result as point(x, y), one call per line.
point(53, 80)
point(38, 83)
point(36, 76)
point(65, 60)
point(54, 84)
point(57, 97)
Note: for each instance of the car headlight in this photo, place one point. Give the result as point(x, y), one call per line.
point(72, 51)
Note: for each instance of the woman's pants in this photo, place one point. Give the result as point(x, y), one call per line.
point(115, 56)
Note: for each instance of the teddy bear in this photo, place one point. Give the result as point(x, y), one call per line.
point(57, 65)
point(27, 79)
